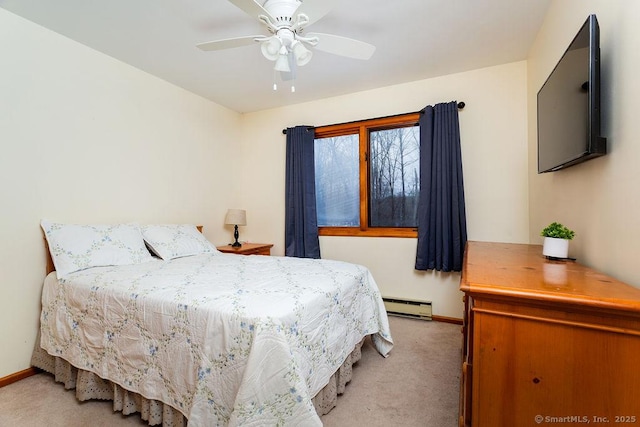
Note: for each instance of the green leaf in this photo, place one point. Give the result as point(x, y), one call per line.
point(558, 231)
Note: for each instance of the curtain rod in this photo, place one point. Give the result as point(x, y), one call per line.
point(461, 105)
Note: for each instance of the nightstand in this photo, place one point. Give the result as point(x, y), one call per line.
point(247, 249)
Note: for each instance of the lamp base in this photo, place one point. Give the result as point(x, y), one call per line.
point(236, 244)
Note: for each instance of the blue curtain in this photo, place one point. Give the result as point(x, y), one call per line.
point(442, 224)
point(301, 220)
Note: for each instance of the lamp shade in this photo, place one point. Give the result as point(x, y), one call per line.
point(301, 53)
point(236, 217)
point(282, 63)
point(271, 48)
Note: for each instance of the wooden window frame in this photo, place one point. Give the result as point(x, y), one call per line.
point(362, 129)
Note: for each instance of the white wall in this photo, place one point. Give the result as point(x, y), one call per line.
point(494, 149)
point(86, 138)
point(599, 199)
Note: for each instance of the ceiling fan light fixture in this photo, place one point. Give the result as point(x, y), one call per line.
point(288, 44)
point(301, 53)
point(271, 48)
point(282, 64)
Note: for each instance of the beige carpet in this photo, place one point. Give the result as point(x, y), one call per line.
point(417, 385)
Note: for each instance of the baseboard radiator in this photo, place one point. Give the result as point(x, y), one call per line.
point(408, 308)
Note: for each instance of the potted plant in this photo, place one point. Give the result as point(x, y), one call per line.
point(556, 240)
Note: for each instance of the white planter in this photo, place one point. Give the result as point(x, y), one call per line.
point(556, 248)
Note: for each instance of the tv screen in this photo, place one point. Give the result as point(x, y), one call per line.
point(569, 105)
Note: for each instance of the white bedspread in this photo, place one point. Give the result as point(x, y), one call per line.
point(226, 339)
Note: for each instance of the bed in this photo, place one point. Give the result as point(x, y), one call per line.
point(156, 319)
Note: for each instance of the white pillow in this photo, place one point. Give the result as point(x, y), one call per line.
point(170, 241)
point(75, 247)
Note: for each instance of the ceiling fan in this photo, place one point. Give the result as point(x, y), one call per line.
point(289, 45)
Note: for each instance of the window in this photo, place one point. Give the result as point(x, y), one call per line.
point(368, 178)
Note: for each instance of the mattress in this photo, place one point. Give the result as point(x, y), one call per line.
point(223, 339)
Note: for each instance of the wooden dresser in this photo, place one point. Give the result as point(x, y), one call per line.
point(546, 342)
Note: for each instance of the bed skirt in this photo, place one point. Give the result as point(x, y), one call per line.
point(90, 386)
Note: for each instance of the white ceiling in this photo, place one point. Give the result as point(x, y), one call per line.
point(415, 39)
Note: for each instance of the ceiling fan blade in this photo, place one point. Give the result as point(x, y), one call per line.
point(229, 43)
point(252, 8)
point(343, 46)
point(316, 9)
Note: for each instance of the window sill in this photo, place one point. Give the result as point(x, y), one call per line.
point(368, 232)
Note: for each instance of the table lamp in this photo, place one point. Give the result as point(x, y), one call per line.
point(236, 217)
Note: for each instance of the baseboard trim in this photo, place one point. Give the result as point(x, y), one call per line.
point(10, 379)
point(445, 319)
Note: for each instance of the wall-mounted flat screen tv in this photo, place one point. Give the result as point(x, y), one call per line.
point(569, 105)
